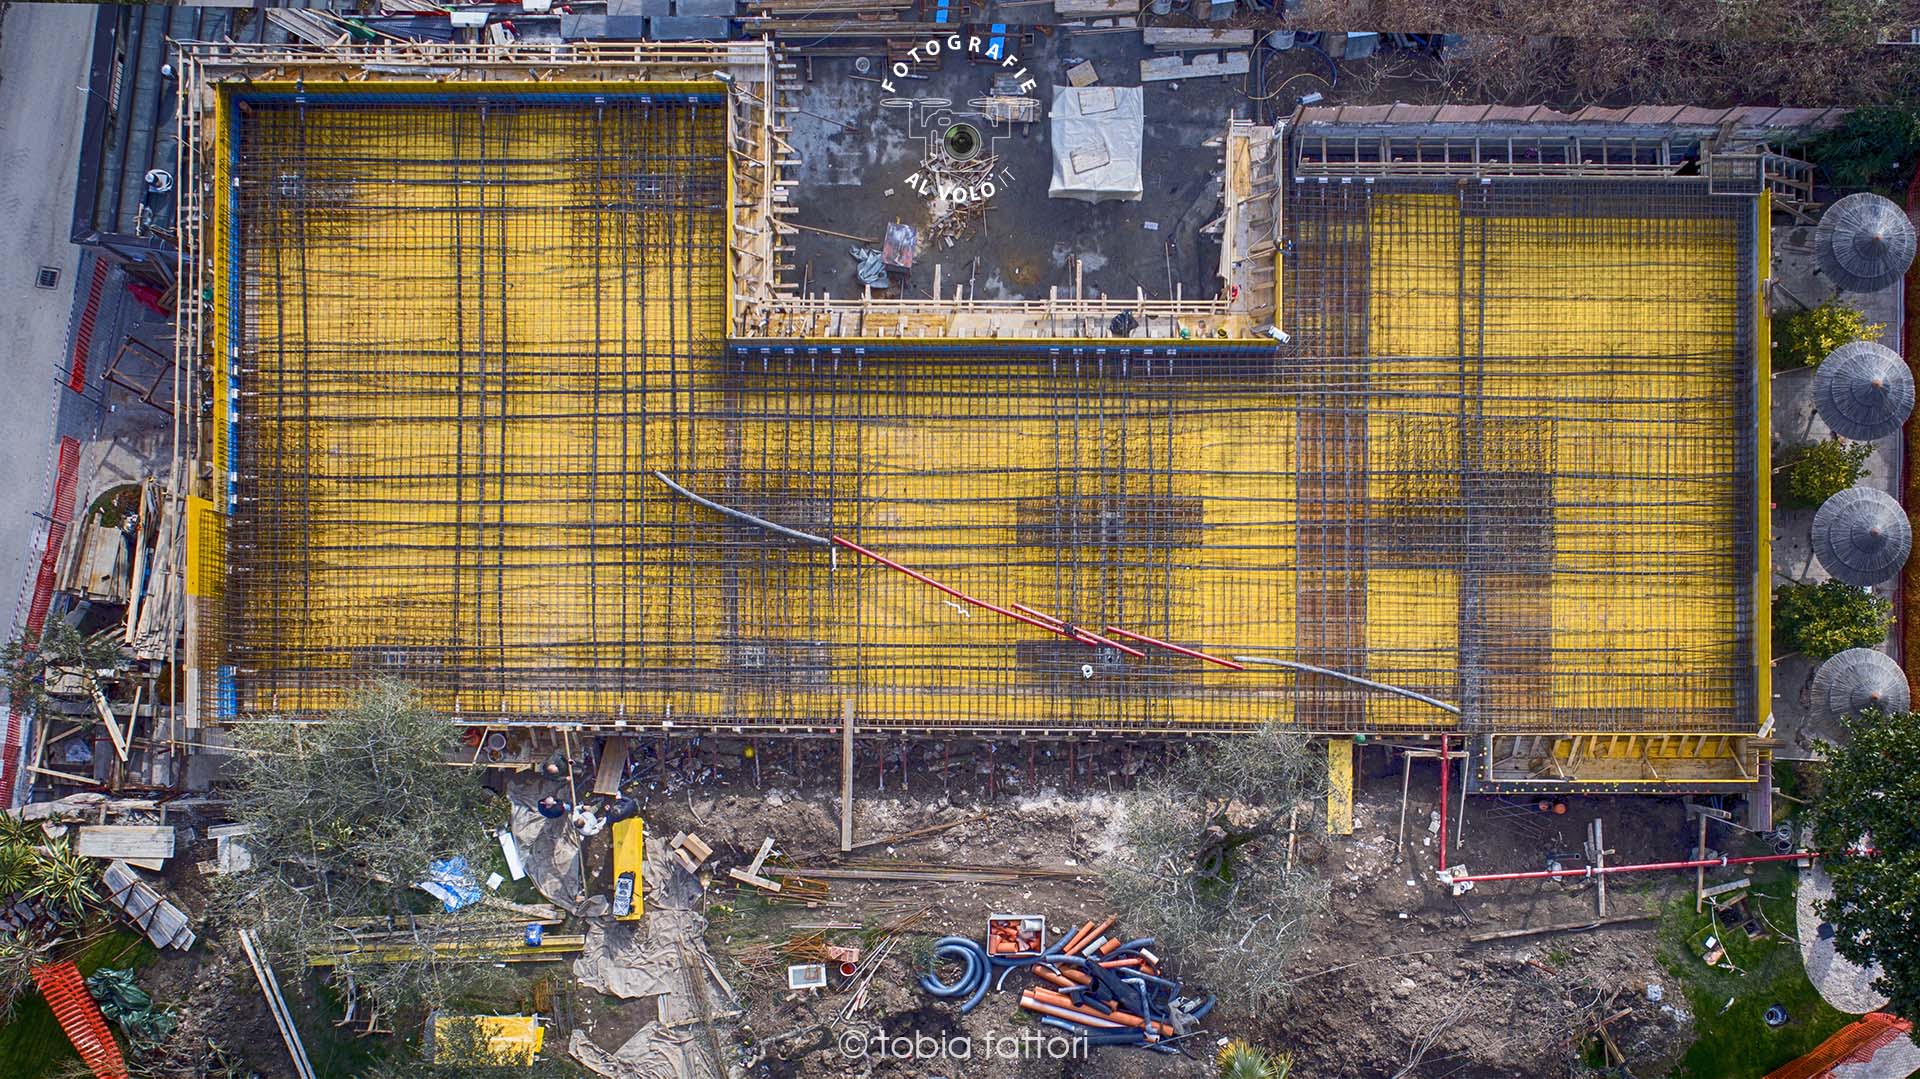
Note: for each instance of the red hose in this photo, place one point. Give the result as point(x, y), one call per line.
point(954, 592)
point(1080, 633)
point(1171, 647)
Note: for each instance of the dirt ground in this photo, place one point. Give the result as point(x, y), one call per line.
point(1388, 983)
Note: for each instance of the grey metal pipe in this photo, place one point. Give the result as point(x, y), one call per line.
point(741, 515)
point(1354, 678)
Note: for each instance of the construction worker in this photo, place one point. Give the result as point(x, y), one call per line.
point(551, 807)
point(622, 808)
point(587, 821)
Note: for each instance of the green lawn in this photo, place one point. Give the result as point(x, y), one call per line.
point(1737, 1041)
point(33, 1045)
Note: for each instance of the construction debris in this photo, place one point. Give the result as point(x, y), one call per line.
point(1199, 66)
point(1096, 987)
point(163, 923)
point(751, 874)
point(690, 851)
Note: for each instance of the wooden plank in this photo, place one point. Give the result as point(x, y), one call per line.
point(127, 841)
point(1339, 786)
point(105, 712)
point(1162, 37)
point(1096, 7)
point(1203, 66)
point(1564, 927)
point(277, 1005)
point(1080, 74)
point(613, 766)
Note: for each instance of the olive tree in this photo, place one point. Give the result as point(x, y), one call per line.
point(1202, 865)
point(347, 815)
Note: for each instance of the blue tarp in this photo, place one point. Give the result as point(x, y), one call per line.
point(452, 883)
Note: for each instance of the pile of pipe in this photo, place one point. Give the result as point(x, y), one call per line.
point(1091, 983)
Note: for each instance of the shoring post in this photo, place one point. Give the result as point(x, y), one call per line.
point(1446, 765)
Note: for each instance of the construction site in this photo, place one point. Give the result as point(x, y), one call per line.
point(747, 436)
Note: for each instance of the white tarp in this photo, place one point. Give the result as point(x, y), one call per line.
point(1096, 134)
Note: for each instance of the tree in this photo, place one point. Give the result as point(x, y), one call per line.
point(58, 885)
point(1870, 147)
point(1812, 472)
point(347, 815)
point(1203, 866)
point(60, 647)
point(1867, 795)
point(1832, 616)
point(1803, 339)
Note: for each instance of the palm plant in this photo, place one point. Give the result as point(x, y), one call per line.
point(17, 862)
point(65, 879)
point(1240, 1060)
point(20, 952)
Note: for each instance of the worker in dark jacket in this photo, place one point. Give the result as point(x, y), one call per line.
point(551, 808)
point(622, 808)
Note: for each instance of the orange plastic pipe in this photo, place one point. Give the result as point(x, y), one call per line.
point(1048, 996)
point(1060, 980)
point(1079, 936)
point(842, 541)
point(1068, 1014)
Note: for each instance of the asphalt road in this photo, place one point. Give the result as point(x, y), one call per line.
point(43, 70)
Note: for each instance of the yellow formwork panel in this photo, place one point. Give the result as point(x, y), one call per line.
point(1609, 365)
point(460, 370)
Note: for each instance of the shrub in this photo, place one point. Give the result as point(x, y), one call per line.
point(1813, 472)
point(1832, 616)
point(1804, 338)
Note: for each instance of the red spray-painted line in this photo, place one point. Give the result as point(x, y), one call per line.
point(1589, 871)
point(83, 333)
point(842, 541)
point(1171, 647)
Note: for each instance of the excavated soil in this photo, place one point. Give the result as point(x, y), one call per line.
point(1389, 985)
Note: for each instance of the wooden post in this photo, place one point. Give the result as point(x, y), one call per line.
point(1406, 780)
point(1600, 862)
point(846, 774)
point(1700, 872)
point(1460, 815)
